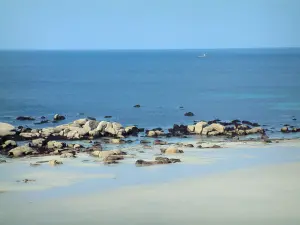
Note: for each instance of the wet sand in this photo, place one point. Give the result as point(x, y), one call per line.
point(263, 195)
point(253, 185)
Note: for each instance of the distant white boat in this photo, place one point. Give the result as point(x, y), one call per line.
point(202, 56)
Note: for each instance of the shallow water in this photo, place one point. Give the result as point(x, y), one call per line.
point(75, 177)
point(258, 85)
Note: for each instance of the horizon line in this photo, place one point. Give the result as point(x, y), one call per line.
point(147, 49)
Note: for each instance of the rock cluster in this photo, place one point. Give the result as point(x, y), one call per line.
point(157, 161)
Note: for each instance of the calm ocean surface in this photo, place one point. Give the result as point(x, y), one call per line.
point(261, 85)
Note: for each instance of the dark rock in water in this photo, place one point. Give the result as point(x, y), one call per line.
point(108, 162)
point(141, 129)
point(43, 117)
point(179, 130)
point(285, 130)
point(213, 121)
point(158, 160)
point(107, 116)
point(42, 122)
point(199, 146)
point(128, 141)
point(235, 121)
point(2, 161)
point(189, 114)
point(159, 142)
point(145, 142)
point(91, 118)
point(294, 119)
point(247, 122)
point(58, 117)
point(80, 114)
point(22, 118)
point(189, 145)
point(255, 125)
point(133, 131)
point(137, 106)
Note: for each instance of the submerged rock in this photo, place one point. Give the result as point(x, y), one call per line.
point(189, 114)
point(137, 106)
point(22, 118)
point(158, 161)
point(58, 117)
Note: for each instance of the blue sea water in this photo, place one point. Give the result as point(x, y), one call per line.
point(261, 85)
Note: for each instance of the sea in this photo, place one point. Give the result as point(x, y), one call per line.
point(259, 85)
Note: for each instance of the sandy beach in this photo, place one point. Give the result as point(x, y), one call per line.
point(264, 195)
point(262, 189)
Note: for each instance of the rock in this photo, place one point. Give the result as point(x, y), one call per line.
point(191, 128)
point(151, 133)
point(254, 130)
point(189, 114)
point(76, 146)
point(158, 160)
point(9, 144)
point(132, 130)
point(113, 157)
point(215, 128)
point(6, 129)
point(284, 129)
point(90, 125)
point(21, 151)
point(29, 135)
point(108, 162)
point(76, 133)
point(112, 128)
point(145, 142)
point(22, 118)
point(2, 161)
point(160, 142)
point(199, 127)
point(104, 154)
point(67, 155)
point(101, 126)
point(80, 122)
point(107, 117)
point(55, 145)
point(137, 106)
point(189, 145)
point(38, 143)
point(117, 141)
point(172, 150)
point(91, 118)
point(58, 117)
point(55, 162)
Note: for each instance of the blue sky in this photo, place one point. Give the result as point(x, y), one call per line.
point(148, 24)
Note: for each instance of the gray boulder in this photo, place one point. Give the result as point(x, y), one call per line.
point(37, 143)
point(56, 145)
point(6, 129)
point(90, 125)
point(21, 151)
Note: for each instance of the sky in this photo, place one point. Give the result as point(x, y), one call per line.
point(148, 24)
